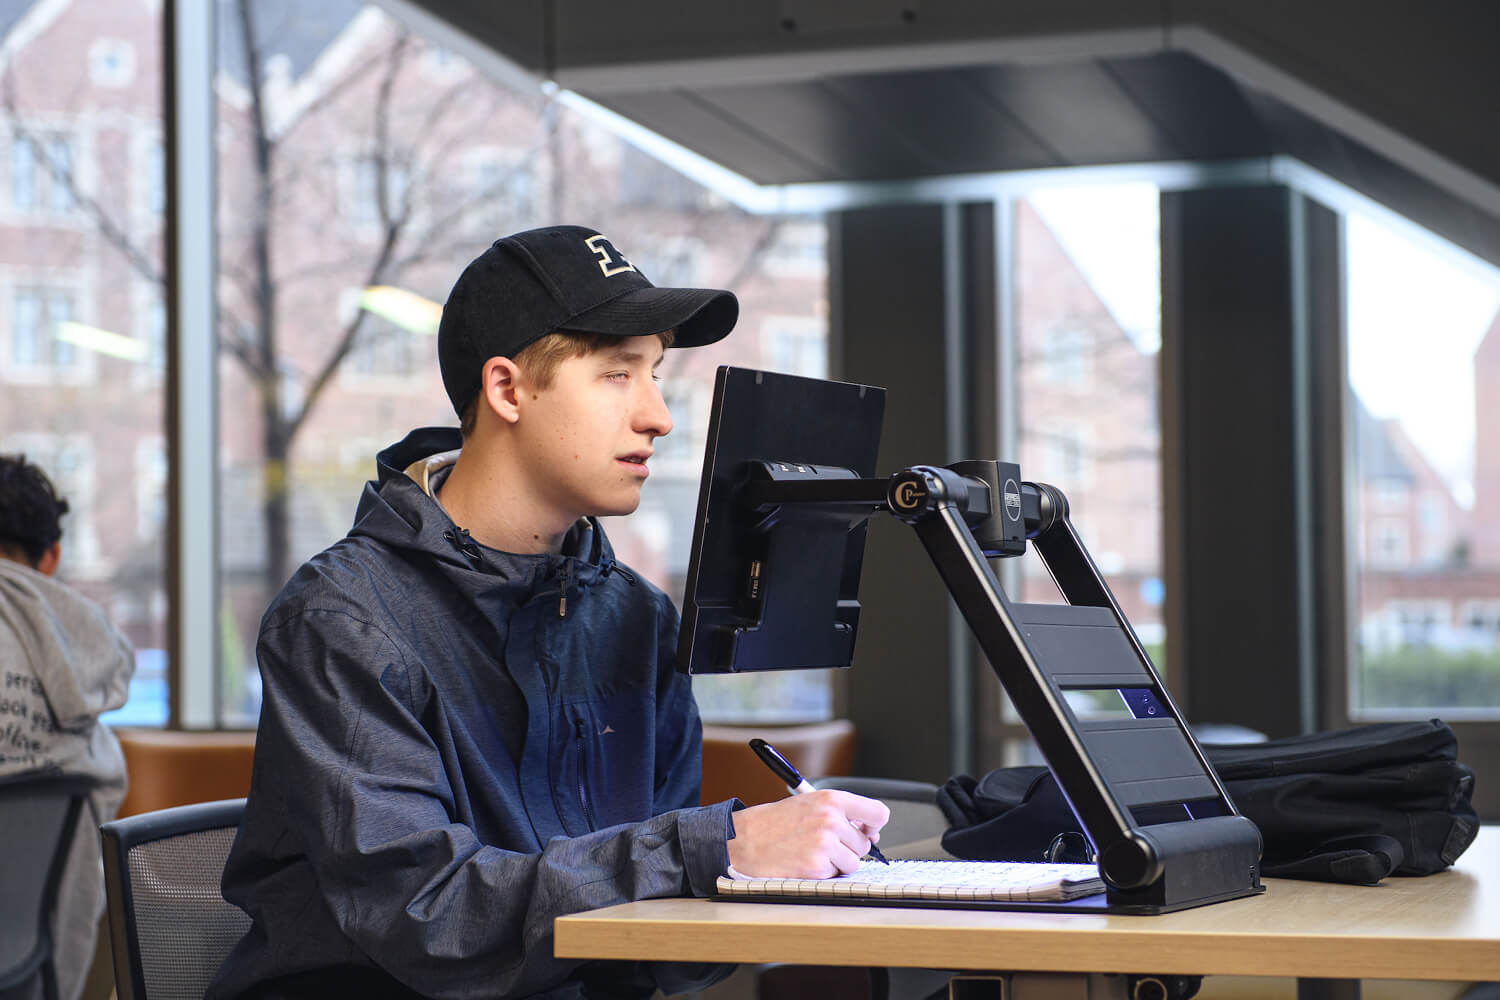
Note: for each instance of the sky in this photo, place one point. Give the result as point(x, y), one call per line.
point(1417, 308)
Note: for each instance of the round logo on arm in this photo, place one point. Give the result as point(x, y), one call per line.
point(1012, 500)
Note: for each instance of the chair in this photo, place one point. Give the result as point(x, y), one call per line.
point(173, 767)
point(168, 920)
point(730, 769)
point(38, 819)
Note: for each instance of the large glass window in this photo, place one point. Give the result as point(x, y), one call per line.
point(80, 250)
point(1424, 374)
point(1088, 332)
point(381, 166)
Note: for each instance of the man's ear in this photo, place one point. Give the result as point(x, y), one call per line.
point(498, 385)
point(47, 565)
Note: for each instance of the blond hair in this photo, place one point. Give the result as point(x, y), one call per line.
point(540, 360)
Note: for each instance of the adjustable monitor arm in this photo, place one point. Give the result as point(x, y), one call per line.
point(948, 507)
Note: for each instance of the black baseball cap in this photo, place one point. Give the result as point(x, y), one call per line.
point(541, 281)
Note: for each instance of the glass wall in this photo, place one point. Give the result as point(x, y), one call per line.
point(1088, 335)
point(360, 168)
point(81, 317)
point(1424, 377)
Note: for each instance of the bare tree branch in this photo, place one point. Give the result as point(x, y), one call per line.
point(752, 260)
point(113, 233)
point(392, 225)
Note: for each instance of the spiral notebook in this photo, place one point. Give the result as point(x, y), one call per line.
point(927, 881)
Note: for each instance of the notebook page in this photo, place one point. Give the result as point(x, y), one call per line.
point(933, 880)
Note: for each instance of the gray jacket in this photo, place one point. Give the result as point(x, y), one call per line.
point(62, 664)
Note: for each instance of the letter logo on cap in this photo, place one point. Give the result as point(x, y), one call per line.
point(611, 261)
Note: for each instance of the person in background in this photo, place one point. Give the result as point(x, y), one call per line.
point(62, 664)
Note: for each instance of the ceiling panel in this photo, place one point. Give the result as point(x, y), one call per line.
point(1077, 109)
point(691, 120)
point(1346, 86)
point(953, 126)
point(1200, 112)
point(818, 123)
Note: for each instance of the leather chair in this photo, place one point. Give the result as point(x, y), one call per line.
point(730, 768)
point(175, 767)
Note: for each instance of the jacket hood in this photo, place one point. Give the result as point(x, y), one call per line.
point(396, 510)
point(82, 662)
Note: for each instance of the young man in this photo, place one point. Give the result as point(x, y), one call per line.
point(471, 721)
point(63, 665)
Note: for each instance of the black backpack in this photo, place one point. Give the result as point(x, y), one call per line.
point(1352, 805)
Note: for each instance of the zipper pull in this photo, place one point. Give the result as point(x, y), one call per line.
point(562, 593)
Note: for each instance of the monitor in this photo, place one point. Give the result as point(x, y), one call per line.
point(767, 590)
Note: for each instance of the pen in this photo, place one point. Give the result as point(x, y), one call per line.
point(795, 783)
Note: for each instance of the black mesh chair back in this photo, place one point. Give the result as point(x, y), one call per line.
point(38, 817)
point(168, 920)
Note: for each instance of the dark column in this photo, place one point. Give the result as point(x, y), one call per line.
point(911, 291)
point(1242, 404)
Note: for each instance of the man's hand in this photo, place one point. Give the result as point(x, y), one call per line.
point(815, 835)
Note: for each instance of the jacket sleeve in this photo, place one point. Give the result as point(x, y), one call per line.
point(365, 790)
point(679, 780)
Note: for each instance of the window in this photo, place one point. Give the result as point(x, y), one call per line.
point(150, 182)
point(42, 172)
point(1425, 475)
point(36, 314)
point(60, 167)
point(1087, 281)
point(800, 250)
point(153, 330)
point(24, 182)
point(150, 488)
point(480, 157)
point(1066, 357)
point(111, 62)
point(501, 189)
point(79, 101)
point(1481, 618)
point(1418, 622)
point(1391, 495)
point(797, 345)
point(1432, 526)
point(366, 203)
point(1389, 546)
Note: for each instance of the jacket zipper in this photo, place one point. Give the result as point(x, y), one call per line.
point(562, 593)
point(583, 792)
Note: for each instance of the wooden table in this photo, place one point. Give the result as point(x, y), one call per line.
point(1439, 927)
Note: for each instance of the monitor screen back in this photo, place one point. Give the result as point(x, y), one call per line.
point(767, 416)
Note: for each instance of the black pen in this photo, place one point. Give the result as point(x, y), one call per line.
point(795, 783)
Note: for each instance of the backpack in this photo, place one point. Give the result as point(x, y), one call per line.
point(1350, 805)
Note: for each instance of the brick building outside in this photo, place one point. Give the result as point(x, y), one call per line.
point(381, 135)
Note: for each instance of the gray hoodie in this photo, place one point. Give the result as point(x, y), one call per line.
point(62, 664)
